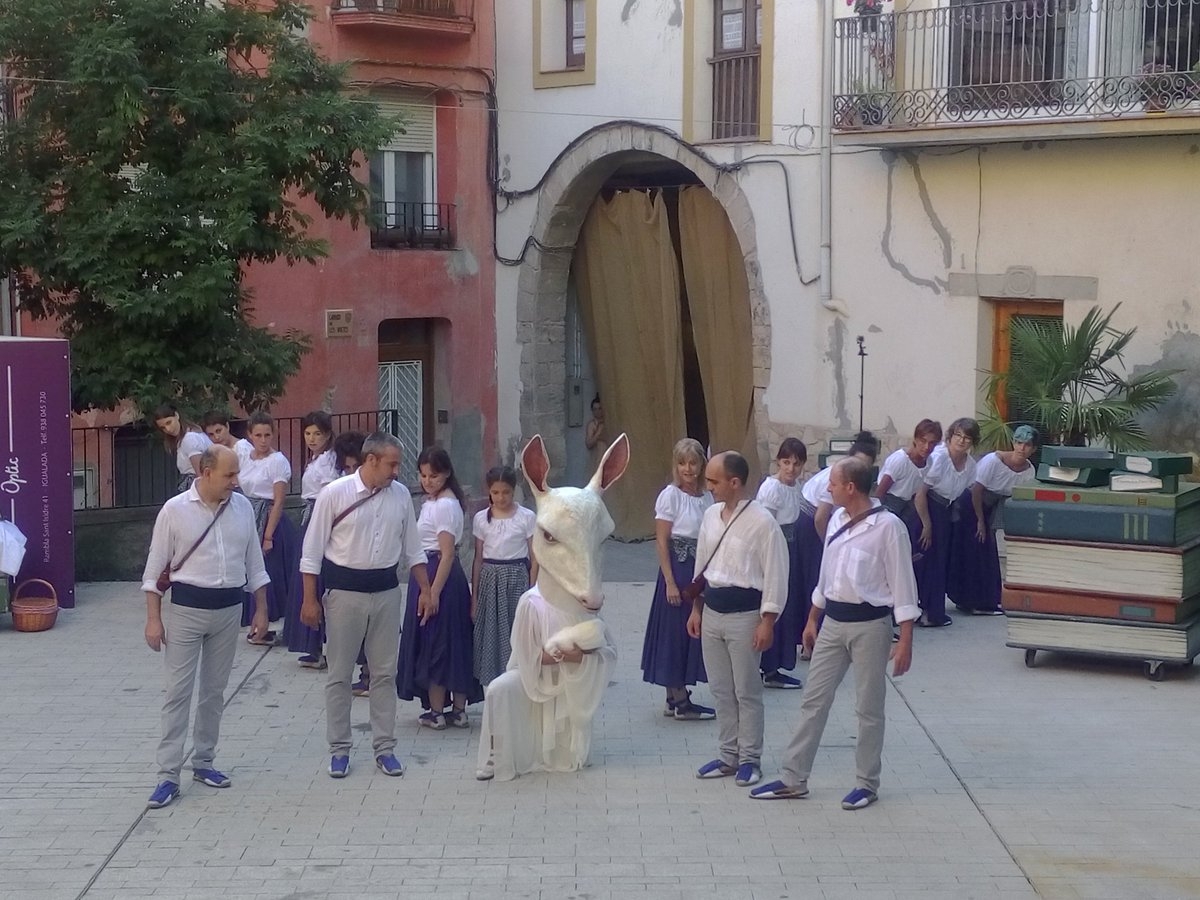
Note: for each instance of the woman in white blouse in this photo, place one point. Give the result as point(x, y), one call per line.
point(319, 470)
point(902, 475)
point(184, 440)
point(949, 474)
point(975, 581)
point(437, 658)
point(264, 478)
point(670, 657)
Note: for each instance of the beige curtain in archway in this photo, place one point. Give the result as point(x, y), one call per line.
point(714, 273)
point(627, 276)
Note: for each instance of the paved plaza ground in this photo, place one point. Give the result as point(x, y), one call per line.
point(1075, 779)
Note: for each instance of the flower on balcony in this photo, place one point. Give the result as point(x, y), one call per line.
point(866, 7)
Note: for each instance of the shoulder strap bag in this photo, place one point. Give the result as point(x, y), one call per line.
point(164, 577)
point(699, 583)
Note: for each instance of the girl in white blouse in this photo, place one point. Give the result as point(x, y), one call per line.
point(184, 440)
point(902, 475)
point(264, 478)
point(437, 660)
point(503, 570)
point(975, 581)
point(782, 494)
point(670, 657)
point(319, 470)
point(949, 474)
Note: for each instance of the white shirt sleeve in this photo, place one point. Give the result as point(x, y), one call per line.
point(412, 541)
point(666, 507)
point(479, 525)
point(448, 517)
point(194, 443)
point(280, 468)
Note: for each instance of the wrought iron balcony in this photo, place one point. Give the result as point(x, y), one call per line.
point(1015, 61)
point(735, 96)
point(431, 18)
point(428, 226)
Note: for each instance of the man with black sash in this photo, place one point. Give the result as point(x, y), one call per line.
point(207, 539)
point(866, 576)
point(362, 527)
point(742, 555)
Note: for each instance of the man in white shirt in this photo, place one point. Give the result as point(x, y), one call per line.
point(866, 577)
point(362, 528)
point(735, 615)
point(208, 538)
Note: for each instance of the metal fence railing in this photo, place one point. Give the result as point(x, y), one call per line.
point(945, 64)
point(443, 9)
point(414, 225)
point(126, 466)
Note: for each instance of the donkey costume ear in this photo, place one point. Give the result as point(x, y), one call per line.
point(612, 466)
point(536, 464)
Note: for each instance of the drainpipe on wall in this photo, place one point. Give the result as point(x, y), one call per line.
point(827, 300)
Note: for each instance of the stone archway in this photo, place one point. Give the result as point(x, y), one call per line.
point(570, 187)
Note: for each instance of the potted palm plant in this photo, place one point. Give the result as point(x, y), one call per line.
point(1071, 385)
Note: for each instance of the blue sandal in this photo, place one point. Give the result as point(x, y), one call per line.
point(716, 769)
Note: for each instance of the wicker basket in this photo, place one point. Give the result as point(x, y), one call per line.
point(38, 611)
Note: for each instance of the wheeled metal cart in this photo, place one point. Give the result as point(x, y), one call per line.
point(1156, 646)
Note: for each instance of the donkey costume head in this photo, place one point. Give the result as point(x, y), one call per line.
point(572, 523)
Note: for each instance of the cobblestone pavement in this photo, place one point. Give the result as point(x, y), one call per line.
point(1074, 779)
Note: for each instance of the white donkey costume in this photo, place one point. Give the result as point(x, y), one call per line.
point(538, 717)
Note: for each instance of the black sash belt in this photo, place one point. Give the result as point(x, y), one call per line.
point(205, 598)
point(732, 599)
point(362, 581)
point(523, 561)
point(855, 612)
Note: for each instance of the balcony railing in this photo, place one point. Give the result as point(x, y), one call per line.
point(1016, 60)
point(431, 17)
point(735, 96)
point(413, 225)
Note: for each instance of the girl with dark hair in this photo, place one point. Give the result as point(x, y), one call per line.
point(216, 426)
point(264, 478)
point(782, 495)
point(900, 479)
point(950, 472)
point(184, 440)
point(436, 656)
point(671, 658)
point(319, 470)
point(974, 579)
point(503, 570)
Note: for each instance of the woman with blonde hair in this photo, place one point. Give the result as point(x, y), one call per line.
point(670, 657)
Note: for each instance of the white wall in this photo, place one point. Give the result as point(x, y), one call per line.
point(1123, 211)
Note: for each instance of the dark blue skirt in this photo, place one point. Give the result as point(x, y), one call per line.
point(442, 650)
point(932, 571)
point(973, 573)
point(806, 563)
point(670, 657)
point(782, 653)
point(283, 567)
point(298, 637)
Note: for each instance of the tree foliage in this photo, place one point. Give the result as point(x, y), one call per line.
point(1072, 384)
point(159, 147)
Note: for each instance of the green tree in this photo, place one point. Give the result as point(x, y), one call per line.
point(1070, 383)
point(159, 147)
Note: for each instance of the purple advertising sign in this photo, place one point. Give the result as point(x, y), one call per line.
point(36, 489)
